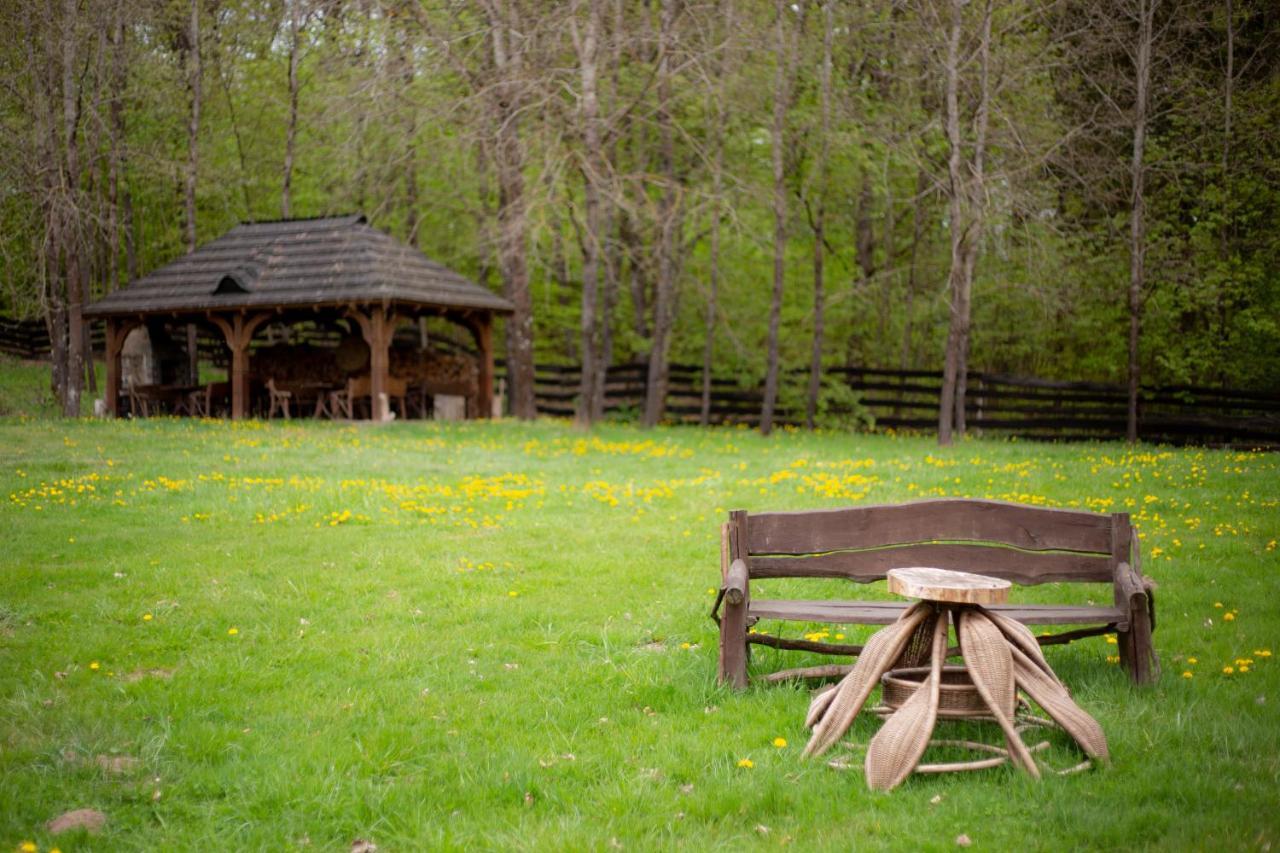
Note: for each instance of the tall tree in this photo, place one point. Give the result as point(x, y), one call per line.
point(294, 15)
point(1146, 10)
point(966, 192)
point(720, 96)
point(819, 216)
point(508, 37)
point(190, 41)
point(592, 165)
point(784, 58)
point(70, 228)
point(669, 226)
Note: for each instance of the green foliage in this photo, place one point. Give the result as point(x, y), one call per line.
point(392, 123)
point(839, 407)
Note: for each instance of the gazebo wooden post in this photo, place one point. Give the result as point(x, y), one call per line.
point(377, 329)
point(482, 330)
point(238, 333)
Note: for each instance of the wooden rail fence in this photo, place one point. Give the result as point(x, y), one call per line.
point(898, 399)
point(1006, 405)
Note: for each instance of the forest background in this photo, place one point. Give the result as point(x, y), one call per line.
point(1077, 189)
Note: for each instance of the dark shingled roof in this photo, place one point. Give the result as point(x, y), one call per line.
point(299, 262)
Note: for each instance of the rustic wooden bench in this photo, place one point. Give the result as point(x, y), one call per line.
point(1023, 544)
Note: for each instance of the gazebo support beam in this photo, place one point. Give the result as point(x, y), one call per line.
point(238, 332)
point(377, 327)
point(481, 327)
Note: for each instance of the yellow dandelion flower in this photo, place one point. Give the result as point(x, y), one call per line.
point(780, 742)
point(513, 593)
point(1111, 640)
point(1244, 667)
point(146, 617)
point(1262, 653)
point(1217, 604)
point(686, 646)
point(231, 632)
point(747, 763)
point(1192, 661)
point(1228, 670)
point(1228, 617)
point(28, 847)
point(94, 666)
point(1186, 673)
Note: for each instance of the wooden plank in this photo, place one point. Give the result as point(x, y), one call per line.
point(1012, 564)
point(945, 520)
point(885, 612)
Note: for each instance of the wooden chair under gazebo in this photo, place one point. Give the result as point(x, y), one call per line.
point(334, 270)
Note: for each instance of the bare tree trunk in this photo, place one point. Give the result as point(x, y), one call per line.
point(975, 201)
point(291, 126)
point(785, 57)
point(513, 225)
point(72, 236)
point(117, 184)
point(717, 193)
point(819, 220)
point(958, 331)
point(410, 140)
point(1137, 213)
point(611, 247)
point(589, 408)
point(655, 404)
point(1228, 217)
point(194, 82)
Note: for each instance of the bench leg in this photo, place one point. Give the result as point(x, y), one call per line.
point(733, 646)
point(1137, 649)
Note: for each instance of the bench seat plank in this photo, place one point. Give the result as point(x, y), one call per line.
point(885, 612)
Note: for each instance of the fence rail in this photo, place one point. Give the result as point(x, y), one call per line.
point(899, 399)
point(29, 339)
point(908, 399)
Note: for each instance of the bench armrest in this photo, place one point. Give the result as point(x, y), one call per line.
point(1131, 583)
point(735, 582)
point(735, 587)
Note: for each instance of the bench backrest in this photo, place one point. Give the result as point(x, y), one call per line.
point(1022, 544)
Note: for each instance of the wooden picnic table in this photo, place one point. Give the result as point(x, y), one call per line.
point(148, 400)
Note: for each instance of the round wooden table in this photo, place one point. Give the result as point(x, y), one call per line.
point(1000, 656)
point(946, 586)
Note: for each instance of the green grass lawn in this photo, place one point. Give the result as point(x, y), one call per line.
point(274, 636)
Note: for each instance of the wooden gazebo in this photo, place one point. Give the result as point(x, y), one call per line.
point(288, 270)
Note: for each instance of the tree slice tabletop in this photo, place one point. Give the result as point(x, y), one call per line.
point(945, 585)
